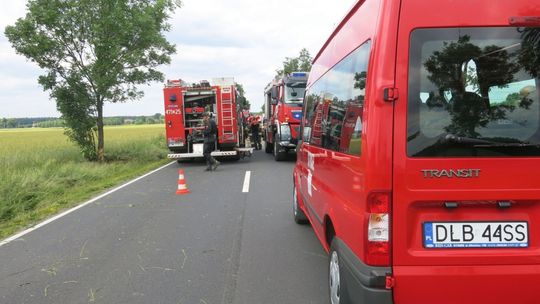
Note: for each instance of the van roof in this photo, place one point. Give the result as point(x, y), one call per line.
point(351, 12)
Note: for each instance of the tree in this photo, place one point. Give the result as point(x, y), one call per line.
point(242, 100)
point(11, 123)
point(451, 70)
point(295, 64)
point(4, 122)
point(94, 51)
point(529, 57)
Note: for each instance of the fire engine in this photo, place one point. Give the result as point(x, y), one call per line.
point(284, 97)
point(185, 105)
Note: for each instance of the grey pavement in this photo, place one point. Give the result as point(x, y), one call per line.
point(145, 244)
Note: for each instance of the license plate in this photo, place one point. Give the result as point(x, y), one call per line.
point(476, 234)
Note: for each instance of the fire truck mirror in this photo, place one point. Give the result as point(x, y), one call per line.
point(274, 94)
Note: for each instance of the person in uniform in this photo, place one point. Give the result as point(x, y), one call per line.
point(209, 132)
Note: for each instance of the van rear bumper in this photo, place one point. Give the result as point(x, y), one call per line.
point(467, 284)
point(363, 283)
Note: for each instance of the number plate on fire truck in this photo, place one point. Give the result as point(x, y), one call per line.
point(476, 234)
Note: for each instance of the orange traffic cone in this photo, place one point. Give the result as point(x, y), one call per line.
point(182, 188)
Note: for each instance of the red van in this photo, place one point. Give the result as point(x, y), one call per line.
point(419, 162)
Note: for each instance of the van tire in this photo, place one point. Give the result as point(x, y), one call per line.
point(299, 215)
point(336, 285)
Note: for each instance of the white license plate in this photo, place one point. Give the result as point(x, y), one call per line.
point(476, 234)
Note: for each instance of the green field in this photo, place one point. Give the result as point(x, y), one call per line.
point(42, 172)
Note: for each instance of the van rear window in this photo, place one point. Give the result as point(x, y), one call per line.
point(473, 92)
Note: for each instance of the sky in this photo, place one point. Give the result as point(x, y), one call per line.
point(244, 39)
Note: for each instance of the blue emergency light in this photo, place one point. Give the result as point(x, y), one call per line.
point(298, 74)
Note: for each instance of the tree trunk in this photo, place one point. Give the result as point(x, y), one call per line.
point(101, 139)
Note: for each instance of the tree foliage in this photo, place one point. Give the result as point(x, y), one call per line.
point(451, 70)
point(243, 103)
point(92, 52)
point(530, 55)
point(295, 64)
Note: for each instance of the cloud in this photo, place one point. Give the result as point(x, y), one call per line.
point(244, 39)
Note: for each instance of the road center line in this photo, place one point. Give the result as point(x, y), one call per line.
point(54, 218)
point(246, 182)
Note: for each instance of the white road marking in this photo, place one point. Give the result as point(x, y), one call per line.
point(54, 218)
point(245, 188)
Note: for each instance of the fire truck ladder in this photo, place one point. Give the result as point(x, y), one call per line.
point(227, 117)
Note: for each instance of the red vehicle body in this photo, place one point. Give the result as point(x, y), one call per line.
point(283, 108)
point(184, 108)
point(427, 189)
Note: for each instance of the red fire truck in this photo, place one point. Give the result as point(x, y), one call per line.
point(184, 108)
point(283, 109)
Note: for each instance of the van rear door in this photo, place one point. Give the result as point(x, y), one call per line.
point(466, 192)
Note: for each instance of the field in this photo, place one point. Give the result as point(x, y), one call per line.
point(42, 172)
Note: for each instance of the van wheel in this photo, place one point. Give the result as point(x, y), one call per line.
point(299, 215)
point(336, 286)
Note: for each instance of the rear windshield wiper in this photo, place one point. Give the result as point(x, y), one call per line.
point(451, 138)
point(483, 143)
point(503, 145)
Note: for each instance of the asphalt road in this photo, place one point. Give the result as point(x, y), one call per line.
point(145, 244)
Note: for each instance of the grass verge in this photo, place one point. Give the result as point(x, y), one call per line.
point(43, 173)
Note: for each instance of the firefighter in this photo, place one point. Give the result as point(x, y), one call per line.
point(210, 131)
point(255, 132)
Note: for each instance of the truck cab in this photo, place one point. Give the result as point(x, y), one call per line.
point(284, 98)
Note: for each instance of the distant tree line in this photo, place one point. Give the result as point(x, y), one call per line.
point(51, 122)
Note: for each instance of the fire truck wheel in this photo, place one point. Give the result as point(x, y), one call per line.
point(268, 147)
point(299, 215)
point(279, 156)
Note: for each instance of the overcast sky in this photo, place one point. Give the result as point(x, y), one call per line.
point(244, 39)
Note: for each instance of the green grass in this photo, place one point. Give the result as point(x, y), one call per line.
point(43, 173)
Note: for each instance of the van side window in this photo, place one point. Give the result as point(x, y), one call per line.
point(308, 110)
point(311, 102)
point(334, 113)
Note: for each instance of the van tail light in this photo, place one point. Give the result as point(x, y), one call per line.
point(378, 229)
